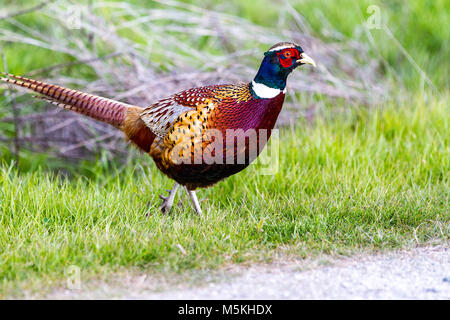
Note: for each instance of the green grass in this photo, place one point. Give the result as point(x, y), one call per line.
point(352, 181)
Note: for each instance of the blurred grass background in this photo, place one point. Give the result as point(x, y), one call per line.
point(364, 139)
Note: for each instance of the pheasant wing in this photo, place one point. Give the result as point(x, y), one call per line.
point(160, 117)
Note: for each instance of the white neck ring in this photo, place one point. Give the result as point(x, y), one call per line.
point(264, 91)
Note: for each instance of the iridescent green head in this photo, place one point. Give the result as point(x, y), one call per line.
point(278, 63)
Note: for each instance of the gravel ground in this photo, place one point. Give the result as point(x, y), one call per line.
point(420, 273)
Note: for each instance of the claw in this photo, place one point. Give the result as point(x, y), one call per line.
point(167, 203)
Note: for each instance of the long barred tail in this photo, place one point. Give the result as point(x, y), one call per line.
point(121, 115)
point(99, 108)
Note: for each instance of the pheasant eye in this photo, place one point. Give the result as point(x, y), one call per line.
point(287, 54)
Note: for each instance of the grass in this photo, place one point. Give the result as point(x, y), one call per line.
point(352, 181)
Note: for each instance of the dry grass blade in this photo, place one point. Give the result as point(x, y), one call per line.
point(25, 11)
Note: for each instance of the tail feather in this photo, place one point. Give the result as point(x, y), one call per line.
point(99, 108)
point(121, 115)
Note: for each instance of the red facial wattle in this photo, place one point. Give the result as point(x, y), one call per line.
point(288, 57)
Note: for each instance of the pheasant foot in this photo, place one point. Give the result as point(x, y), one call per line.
point(167, 203)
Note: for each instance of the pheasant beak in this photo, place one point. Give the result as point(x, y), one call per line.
point(305, 59)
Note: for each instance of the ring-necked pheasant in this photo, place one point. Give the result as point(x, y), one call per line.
point(193, 136)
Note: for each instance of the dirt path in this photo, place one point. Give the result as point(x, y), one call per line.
point(420, 273)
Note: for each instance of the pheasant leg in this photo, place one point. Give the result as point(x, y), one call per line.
point(194, 201)
point(167, 203)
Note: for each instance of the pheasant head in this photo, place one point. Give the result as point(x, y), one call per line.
point(279, 61)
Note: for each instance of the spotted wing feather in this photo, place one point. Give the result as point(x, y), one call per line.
point(160, 116)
